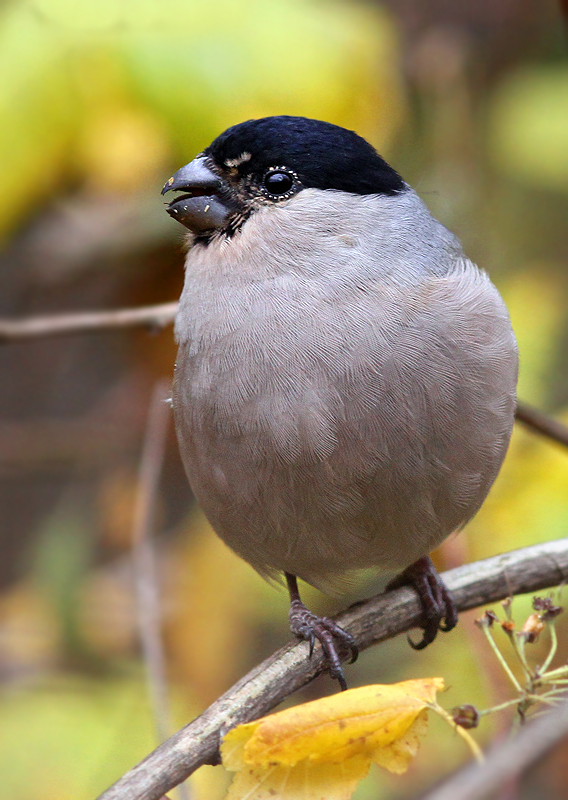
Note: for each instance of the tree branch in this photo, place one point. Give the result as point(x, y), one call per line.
point(17, 330)
point(287, 670)
point(540, 422)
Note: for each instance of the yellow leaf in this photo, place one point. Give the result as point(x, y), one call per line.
point(323, 748)
point(305, 781)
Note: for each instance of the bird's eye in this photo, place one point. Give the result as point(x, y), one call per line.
point(277, 182)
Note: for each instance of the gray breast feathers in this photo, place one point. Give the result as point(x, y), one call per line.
point(342, 416)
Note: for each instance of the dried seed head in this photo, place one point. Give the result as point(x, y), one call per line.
point(531, 629)
point(466, 716)
point(487, 620)
point(547, 608)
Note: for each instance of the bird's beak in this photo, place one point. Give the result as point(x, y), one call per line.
point(205, 204)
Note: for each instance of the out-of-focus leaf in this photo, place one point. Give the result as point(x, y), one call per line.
point(207, 66)
point(527, 503)
point(60, 565)
point(210, 621)
point(79, 735)
point(36, 113)
point(96, 90)
point(30, 635)
point(324, 748)
point(529, 126)
point(536, 303)
point(122, 149)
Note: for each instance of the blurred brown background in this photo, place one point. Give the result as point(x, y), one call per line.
point(99, 104)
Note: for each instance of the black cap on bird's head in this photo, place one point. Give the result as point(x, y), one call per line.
point(267, 161)
point(324, 156)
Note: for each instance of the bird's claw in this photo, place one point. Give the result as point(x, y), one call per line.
point(439, 608)
point(312, 640)
point(334, 640)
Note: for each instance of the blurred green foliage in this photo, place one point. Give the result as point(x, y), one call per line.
point(69, 738)
point(528, 126)
point(99, 103)
point(178, 71)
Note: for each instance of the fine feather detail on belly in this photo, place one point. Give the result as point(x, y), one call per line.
point(316, 452)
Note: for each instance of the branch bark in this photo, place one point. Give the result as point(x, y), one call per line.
point(287, 670)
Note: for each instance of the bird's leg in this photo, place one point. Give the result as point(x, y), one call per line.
point(440, 612)
point(310, 627)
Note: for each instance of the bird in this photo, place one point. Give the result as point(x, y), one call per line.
point(345, 384)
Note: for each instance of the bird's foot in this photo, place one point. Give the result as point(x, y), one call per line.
point(439, 608)
point(335, 642)
point(333, 639)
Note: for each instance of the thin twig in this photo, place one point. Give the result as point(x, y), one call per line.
point(156, 316)
point(147, 592)
point(500, 658)
point(553, 647)
point(540, 422)
point(505, 761)
point(382, 617)
point(159, 316)
point(459, 730)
